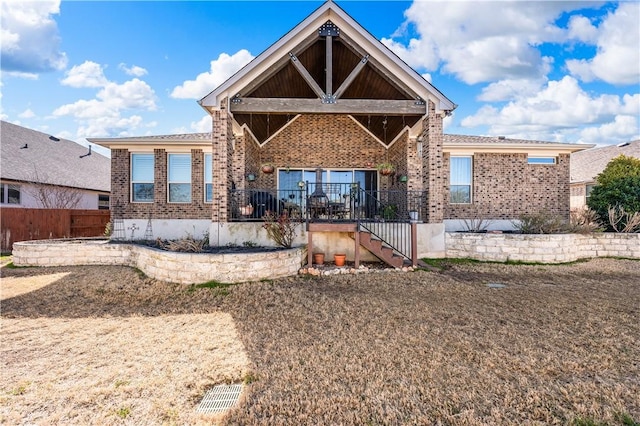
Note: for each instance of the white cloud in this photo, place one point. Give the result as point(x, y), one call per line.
point(559, 111)
point(133, 70)
point(622, 128)
point(18, 74)
point(87, 74)
point(204, 125)
point(481, 41)
point(117, 126)
point(504, 90)
point(617, 60)
point(27, 113)
point(221, 69)
point(30, 38)
point(581, 29)
point(103, 115)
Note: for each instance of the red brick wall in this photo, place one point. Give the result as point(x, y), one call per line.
point(505, 187)
point(324, 141)
point(432, 166)
point(160, 208)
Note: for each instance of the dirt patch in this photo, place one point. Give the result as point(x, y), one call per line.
point(557, 344)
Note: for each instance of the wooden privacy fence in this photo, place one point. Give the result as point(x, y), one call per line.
point(41, 224)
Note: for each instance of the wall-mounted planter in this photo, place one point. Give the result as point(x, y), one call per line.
point(268, 169)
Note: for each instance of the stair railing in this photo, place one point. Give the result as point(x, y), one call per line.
point(383, 215)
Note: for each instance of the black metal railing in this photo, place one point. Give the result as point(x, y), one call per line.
point(330, 202)
point(389, 217)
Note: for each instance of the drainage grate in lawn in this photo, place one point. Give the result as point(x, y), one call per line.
point(220, 398)
point(496, 285)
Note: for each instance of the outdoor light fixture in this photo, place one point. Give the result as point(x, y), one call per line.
point(251, 177)
point(301, 184)
point(403, 178)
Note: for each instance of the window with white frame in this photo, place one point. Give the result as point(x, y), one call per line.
point(541, 160)
point(460, 179)
point(142, 178)
point(208, 178)
point(9, 194)
point(179, 178)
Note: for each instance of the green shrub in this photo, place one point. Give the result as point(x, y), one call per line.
point(618, 186)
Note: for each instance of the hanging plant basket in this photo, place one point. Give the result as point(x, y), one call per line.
point(268, 168)
point(386, 169)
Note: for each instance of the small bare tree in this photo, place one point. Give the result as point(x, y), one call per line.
point(52, 196)
point(622, 221)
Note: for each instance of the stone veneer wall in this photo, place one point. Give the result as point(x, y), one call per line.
point(548, 248)
point(183, 268)
point(505, 187)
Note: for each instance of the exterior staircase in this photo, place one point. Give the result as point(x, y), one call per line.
point(381, 250)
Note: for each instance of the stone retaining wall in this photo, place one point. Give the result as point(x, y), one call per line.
point(551, 248)
point(183, 268)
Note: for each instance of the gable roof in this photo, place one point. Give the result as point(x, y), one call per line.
point(31, 156)
point(264, 63)
point(586, 165)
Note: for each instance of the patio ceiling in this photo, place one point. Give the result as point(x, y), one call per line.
point(298, 83)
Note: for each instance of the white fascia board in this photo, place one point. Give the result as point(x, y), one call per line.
point(367, 42)
point(392, 62)
point(266, 59)
point(151, 143)
point(550, 149)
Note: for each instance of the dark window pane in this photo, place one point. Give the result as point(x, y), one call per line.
point(14, 194)
point(143, 192)
point(209, 192)
point(180, 193)
point(460, 194)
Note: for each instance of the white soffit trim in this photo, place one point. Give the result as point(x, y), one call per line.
point(537, 149)
point(308, 27)
point(152, 143)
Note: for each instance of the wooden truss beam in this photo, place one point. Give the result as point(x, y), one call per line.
point(316, 106)
point(352, 76)
point(329, 66)
point(307, 77)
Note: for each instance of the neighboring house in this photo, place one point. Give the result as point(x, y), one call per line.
point(42, 171)
point(325, 105)
point(587, 165)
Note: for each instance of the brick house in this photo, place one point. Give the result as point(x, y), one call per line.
point(324, 107)
point(587, 165)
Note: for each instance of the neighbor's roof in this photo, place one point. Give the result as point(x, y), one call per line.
point(586, 165)
point(31, 156)
point(497, 143)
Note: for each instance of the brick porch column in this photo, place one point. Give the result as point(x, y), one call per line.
point(222, 154)
point(432, 165)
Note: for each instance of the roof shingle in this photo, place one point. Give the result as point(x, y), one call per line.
point(50, 160)
point(586, 165)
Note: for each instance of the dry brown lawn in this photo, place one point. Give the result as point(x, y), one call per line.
point(105, 345)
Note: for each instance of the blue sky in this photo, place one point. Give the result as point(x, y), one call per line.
point(549, 70)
